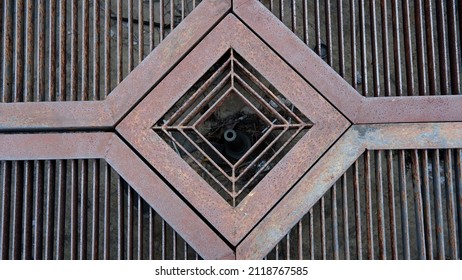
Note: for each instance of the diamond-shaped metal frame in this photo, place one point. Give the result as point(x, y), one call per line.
point(233, 222)
point(378, 123)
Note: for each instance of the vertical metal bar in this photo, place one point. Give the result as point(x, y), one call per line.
point(5, 214)
point(418, 205)
point(346, 234)
point(294, 16)
point(74, 62)
point(38, 212)
point(27, 210)
point(306, 37)
point(62, 53)
point(140, 32)
point(427, 206)
point(341, 40)
point(420, 43)
point(317, 18)
point(300, 239)
point(362, 30)
point(335, 245)
point(161, 20)
point(385, 47)
point(281, 10)
point(391, 205)
point(7, 50)
point(429, 27)
point(323, 230)
point(119, 41)
point(368, 193)
point(28, 72)
point(19, 53)
point(130, 36)
point(408, 48)
point(172, 15)
point(85, 50)
point(375, 54)
point(49, 208)
point(380, 206)
point(185, 250)
point(61, 214)
point(151, 233)
point(454, 47)
point(404, 206)
point(74, 209)
point(140, 227)
point(458, 176)
point(107, 48)
point(95, 210)
point(174, 241)
point(52, 53)
point(163, 244)
point(354, 80)
point(357, 198)
point(277, 252)
point(96, 47)
point(438, 205)
point(183, 6)
point(442, 46)
point(40, 88)
point(328, 32)
point(397, 48)
point(129, 223)
point(17, 210)
point(451, 205)
point(311, 234)
point(83, 208)
point(107, 212)
point(120, 219)
point(151, 25)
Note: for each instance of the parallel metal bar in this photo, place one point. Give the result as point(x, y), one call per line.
point(140, 31)
point(451, 204)
point(438, 205)
point(74, 209)
point(458, 176)
point(84, 95)
point(74, 62)
point(140, 228)
point(288, 245)
point(83, 209)
point(38, 211)
point(385, 47)
point(107, 212)
point(375, 54)
point(27, 210)
point(397, 48)
point(306, 36)
point(7, 51)
point(107, 48)
point(354, 80)
point(408, 48)
point(130, 222)
point(341, 39)
point(368, 193)
point(346, 227)
point(323, 229)
point(311, 234)
point(161, 20)
point(120, 219)
point(427, 205)
point(429, 27)
point(362, 31)
point(18, 76)
point(300, 239)
point(442, 47)
point(380, 205)
point(335, 241)
point(61, 213)
point(391, 205)
point(51, 94)
point(119, 42)
point(95, 209)
point(130, 63)
point(454, 46)
point(29, 39)
point(418, 205)
point(17, 210)
point(96, 51)
point(327, 7)
point(420, 45)
point(404, 204)
point(40, 56)
point(62, 52)
point(49, 209)
point(151, 234)
point(5, 214)
point(357, 198)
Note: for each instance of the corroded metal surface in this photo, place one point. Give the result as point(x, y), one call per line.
point(342, 126)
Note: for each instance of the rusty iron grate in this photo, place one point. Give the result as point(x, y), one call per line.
point(230, 60)
point(231, 129)
point(377, 210)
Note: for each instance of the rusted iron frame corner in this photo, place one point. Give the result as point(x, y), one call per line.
point(358, 109)
point(108, 146)
point(317, 181)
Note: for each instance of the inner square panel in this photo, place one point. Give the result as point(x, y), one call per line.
point(232, 127)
